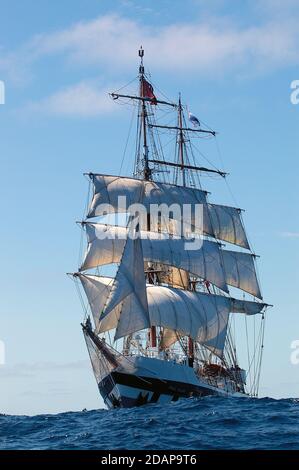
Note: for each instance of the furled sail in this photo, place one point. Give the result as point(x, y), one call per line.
point(203, 317)
point(220, 267)
point(115, 194)
point(246, 306)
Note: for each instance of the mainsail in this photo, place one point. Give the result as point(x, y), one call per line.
point(201, 316)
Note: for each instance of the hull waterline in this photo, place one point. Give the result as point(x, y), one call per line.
point(148, 380)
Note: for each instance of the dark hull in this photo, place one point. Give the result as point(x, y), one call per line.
point(121, 390)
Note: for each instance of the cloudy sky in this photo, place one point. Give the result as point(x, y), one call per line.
point(234, 62)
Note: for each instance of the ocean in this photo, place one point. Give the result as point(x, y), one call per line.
point(206, 423)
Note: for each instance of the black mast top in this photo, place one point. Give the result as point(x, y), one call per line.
point(141, 55)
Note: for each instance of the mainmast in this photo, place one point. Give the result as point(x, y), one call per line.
point(146, 169)
point(181, 140)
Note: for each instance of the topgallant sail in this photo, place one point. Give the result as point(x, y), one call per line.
point(164, 324)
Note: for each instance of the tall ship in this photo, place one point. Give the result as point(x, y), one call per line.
point(174, 307)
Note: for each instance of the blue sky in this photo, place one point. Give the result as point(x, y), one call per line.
point(234, 63)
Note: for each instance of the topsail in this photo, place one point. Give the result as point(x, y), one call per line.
point(115, 194)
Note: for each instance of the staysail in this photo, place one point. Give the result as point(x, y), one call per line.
point(129, 290)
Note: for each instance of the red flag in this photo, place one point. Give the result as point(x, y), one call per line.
point(147, 91)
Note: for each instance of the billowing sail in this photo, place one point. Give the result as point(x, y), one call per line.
point(168, 338)
point(108, 189)
point(97, 290)
point(227, 224)
point(115, 194)
point(175, 277)
point(106, 244)
point(220, 267)
point(240, 272)
point(129, 290)
point(201, 316)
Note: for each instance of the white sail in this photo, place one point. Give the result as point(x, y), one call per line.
point(175, 277)
point(246, 306)
point(108, 189)
point(220, 267)
point(168, 338)
point(97, 290)
point(240, 272)
point(129, 288)
point(106, 243)
point(227, 224)
point(115, 194)
point(201, 316)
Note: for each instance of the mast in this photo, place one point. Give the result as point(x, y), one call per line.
point(181, 141)
point(146, 169)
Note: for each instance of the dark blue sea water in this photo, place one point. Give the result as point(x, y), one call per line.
point(207, 423)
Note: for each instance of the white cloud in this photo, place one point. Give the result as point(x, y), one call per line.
point(213, 45)
point(209, 45)
point(290, 234)
point(80, 100)
point(109, 43)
